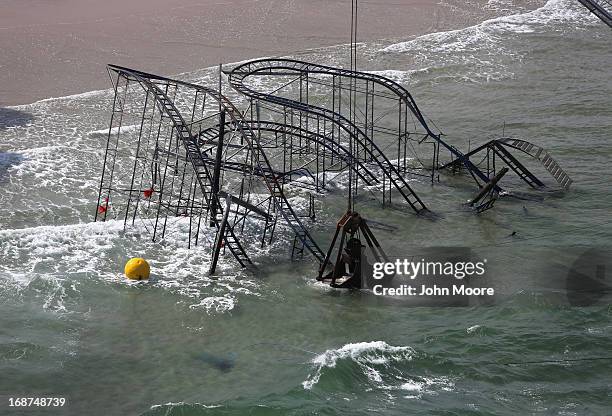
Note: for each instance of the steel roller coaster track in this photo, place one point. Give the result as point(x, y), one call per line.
point(175, 149)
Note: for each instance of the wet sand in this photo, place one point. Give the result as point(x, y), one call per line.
point(52, 49)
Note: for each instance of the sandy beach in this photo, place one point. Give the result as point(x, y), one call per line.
point(52, 49)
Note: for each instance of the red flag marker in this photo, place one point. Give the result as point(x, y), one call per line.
point(103, 208)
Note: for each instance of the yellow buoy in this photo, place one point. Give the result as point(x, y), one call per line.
point(137, 269)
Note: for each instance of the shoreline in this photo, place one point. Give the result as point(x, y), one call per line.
point(53, 51)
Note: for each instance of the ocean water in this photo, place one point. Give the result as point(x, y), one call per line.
point(273, 342)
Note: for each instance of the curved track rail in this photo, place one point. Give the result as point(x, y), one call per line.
point(237, 78)
point(540, 154)
point(280, 66)
point(276, 66)
point(498, 147)
point(209, 136)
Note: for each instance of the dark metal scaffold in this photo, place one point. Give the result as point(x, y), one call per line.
point(600, 8)
point(185, 163)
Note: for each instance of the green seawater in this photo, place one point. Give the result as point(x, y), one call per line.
point(274, 342)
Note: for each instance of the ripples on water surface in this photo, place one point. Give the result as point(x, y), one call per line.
point(276, 343)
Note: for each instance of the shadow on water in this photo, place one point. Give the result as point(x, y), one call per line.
point(13, 118)
point(8, 159)
point(221, 363)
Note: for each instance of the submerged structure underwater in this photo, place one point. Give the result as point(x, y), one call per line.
point(181, 157)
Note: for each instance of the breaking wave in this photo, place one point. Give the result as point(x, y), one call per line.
point(375, 365)
point(485, 51)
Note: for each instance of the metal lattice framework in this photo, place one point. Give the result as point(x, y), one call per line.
point(381, 120)
point(499, 149)
point(175, 150)
point(172, 167)
point(343, 107)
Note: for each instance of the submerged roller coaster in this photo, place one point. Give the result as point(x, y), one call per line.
point(181, 157)
point(600, 8)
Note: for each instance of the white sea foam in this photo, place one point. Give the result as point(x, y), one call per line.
point(215, 303)
point(51, 167)
point(483, 52)
point(171, 405)
point(365, 354)
point(55, 259)
point(53, 100)
point(486, 33)
point(381, 363)
point(393, 74)
point(113, 131)
point(473, 329)
point(425, 385)
point(500, 5)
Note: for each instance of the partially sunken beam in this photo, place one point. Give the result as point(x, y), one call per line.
point(600, 8)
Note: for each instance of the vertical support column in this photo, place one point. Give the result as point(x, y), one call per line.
point(324, 151)
point(169, 194)
point(372, 120)
point(180, 209)
point(333, 125)
point(220, 236)
point(258, 114)
point(217, 170)
point(366, 125)
point(110, 155)
point(192, 198)
point(317, 157)
point(136, 157)
point(284, 140)
point(399, 137)
point(202, 204)
point(494, 168)
point(434, 162)
point(406, 137)
point(301, 112)
point(145, 160)
point(307, 115)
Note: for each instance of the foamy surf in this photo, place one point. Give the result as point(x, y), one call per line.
point(54, 260)
point(366, 355)
point(484, 52)
point(379, 366)
point(103, 133)
point(393, 74)
point(561, 12)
